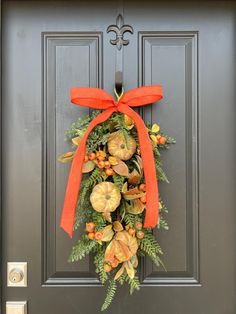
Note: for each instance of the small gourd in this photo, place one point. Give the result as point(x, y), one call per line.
point(121, 147)
point(105, 197)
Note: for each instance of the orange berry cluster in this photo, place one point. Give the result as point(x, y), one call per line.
point(100, 159)
point(90, 228)
point(137, 230)
point(161, 139)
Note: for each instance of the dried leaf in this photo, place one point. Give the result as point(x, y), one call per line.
point(117, 226)
point(121, 168)
point(66, 157)
point(113, 160)
point(88, 166)
point(107, 233)
point(120, 272)
point(124, 187)
point(102, 153)
point(139, 164)
point(107, 216)
point(155, 128)
point(153, 138)
point(134, 177)
point(134, 261)
point(133, 194)
point(122, 247)
point(76, 140)
point(129, 269)
point(137, 207)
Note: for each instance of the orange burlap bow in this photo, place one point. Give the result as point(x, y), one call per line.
point(99, 99)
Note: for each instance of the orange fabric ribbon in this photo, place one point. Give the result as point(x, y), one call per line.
point(99, 99)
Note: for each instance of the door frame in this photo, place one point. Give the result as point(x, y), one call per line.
point(1, 207)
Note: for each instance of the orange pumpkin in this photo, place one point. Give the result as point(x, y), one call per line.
point(121, 147)
point(105, 197)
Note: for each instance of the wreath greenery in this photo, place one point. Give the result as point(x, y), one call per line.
point(111, 203)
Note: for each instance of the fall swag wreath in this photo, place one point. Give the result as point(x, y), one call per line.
point(115, 152)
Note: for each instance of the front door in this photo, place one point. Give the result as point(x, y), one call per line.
point(188, 48)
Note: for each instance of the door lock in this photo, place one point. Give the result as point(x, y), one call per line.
point(17, 274)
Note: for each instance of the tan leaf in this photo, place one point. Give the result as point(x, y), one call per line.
point(107, 233)
point(155, 128)
point(153, 138)
point(76, 140)
point(137, 207)
point(66, 157)
point(120, 272)
point(121, 168)
point(88, 166)
point(134, 177)
point(124, 187)
point(129, 269)
point(113, 160)
point(107, 216)
point(133, 194)
point(139, 164)
point(102, 153)
point(134, 261)
point(122, 247)
point(110, 251)
point(117, 226)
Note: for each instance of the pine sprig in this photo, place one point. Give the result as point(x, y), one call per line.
point(81, 249)
point(111, 290)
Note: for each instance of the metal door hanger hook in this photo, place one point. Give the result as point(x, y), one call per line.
point(119, 83)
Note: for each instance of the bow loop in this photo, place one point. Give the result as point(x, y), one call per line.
point(142, 96)
point(96, 98)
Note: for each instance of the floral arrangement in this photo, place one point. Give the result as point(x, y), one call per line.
point(112, 198)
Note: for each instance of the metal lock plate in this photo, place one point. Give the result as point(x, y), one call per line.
point(16, 307)
point(17, 274)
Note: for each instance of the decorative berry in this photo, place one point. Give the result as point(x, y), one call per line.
point(142, 187)
point(91, 235)
point(101, 164)
point(162, 140)
point(140, 234)
point(138, 225)
point(109, 172)
point(131, 231)
point(92, 156)
point(107, 164)
point(143, 199)
point(90, 226)
point(98, 235)
point(107, 268)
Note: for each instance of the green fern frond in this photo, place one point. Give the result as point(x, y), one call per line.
point(110, 295)
point(81, 249)
point(118, 181)
point(99, 264)
point(134, 284)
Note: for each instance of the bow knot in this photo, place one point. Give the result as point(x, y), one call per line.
point(99, 99)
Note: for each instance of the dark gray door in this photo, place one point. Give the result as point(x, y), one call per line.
point(189, 48)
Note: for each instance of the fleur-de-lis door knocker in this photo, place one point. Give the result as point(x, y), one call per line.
point(120, 29)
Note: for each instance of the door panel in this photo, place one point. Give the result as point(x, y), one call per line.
point(189, 48)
